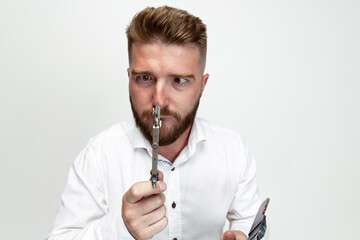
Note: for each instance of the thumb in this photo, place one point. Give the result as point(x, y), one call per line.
point(229, 235)
point(160, 175)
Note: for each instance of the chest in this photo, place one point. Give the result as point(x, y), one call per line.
point(199, 190)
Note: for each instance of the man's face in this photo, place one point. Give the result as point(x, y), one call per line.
point(168, 75)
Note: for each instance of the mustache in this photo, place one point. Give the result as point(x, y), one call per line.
point(165, 111)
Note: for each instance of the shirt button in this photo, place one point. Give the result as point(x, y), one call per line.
point(173, 205)
point(173, 169)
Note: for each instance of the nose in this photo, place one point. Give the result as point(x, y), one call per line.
point(160, 94)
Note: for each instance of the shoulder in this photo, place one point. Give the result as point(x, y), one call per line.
point(105, 149)
point(228, 143)
point(216, 132)
point(107, 144)
point(118, 132)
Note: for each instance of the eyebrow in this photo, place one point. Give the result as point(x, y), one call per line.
point(175, 75)
point(184, 75)
point(135, 71)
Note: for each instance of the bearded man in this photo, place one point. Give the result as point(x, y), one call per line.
point(206, 172)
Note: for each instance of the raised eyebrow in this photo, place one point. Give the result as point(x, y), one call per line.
point(185, 75)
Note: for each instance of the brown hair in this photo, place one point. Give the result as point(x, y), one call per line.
point(167, 25)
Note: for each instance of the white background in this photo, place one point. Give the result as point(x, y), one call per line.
point(284, 74)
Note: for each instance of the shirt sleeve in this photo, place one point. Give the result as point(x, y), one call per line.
point(246, 200)
point(83, 211)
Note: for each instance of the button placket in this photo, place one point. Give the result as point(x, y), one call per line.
point(173, 204)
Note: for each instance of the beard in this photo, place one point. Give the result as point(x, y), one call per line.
point(167, 135)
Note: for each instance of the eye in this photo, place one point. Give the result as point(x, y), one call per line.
point(144, 78)
point(180, 80)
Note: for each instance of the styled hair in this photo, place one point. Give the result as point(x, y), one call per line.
point(167, 25)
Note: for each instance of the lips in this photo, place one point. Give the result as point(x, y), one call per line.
point(165, 114)
point(165, 117)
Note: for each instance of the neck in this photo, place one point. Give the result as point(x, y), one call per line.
point(172, 151)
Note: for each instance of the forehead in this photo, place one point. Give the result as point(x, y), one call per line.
point(160, 55)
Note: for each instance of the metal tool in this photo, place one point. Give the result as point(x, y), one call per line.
point(155, 144)
point(258, 228)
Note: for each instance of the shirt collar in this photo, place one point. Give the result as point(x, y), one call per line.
point(197, 135)
point(137, 139)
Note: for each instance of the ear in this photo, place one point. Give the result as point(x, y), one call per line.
point(204, 80)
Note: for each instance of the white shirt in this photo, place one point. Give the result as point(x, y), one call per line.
point(211, 179)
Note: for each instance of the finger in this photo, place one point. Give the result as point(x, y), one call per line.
point(154, 216)
point(160, 175)
point(149, 204)
point(229, 235)
point(140, 223)
point(157, 227)
point(143, 189)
